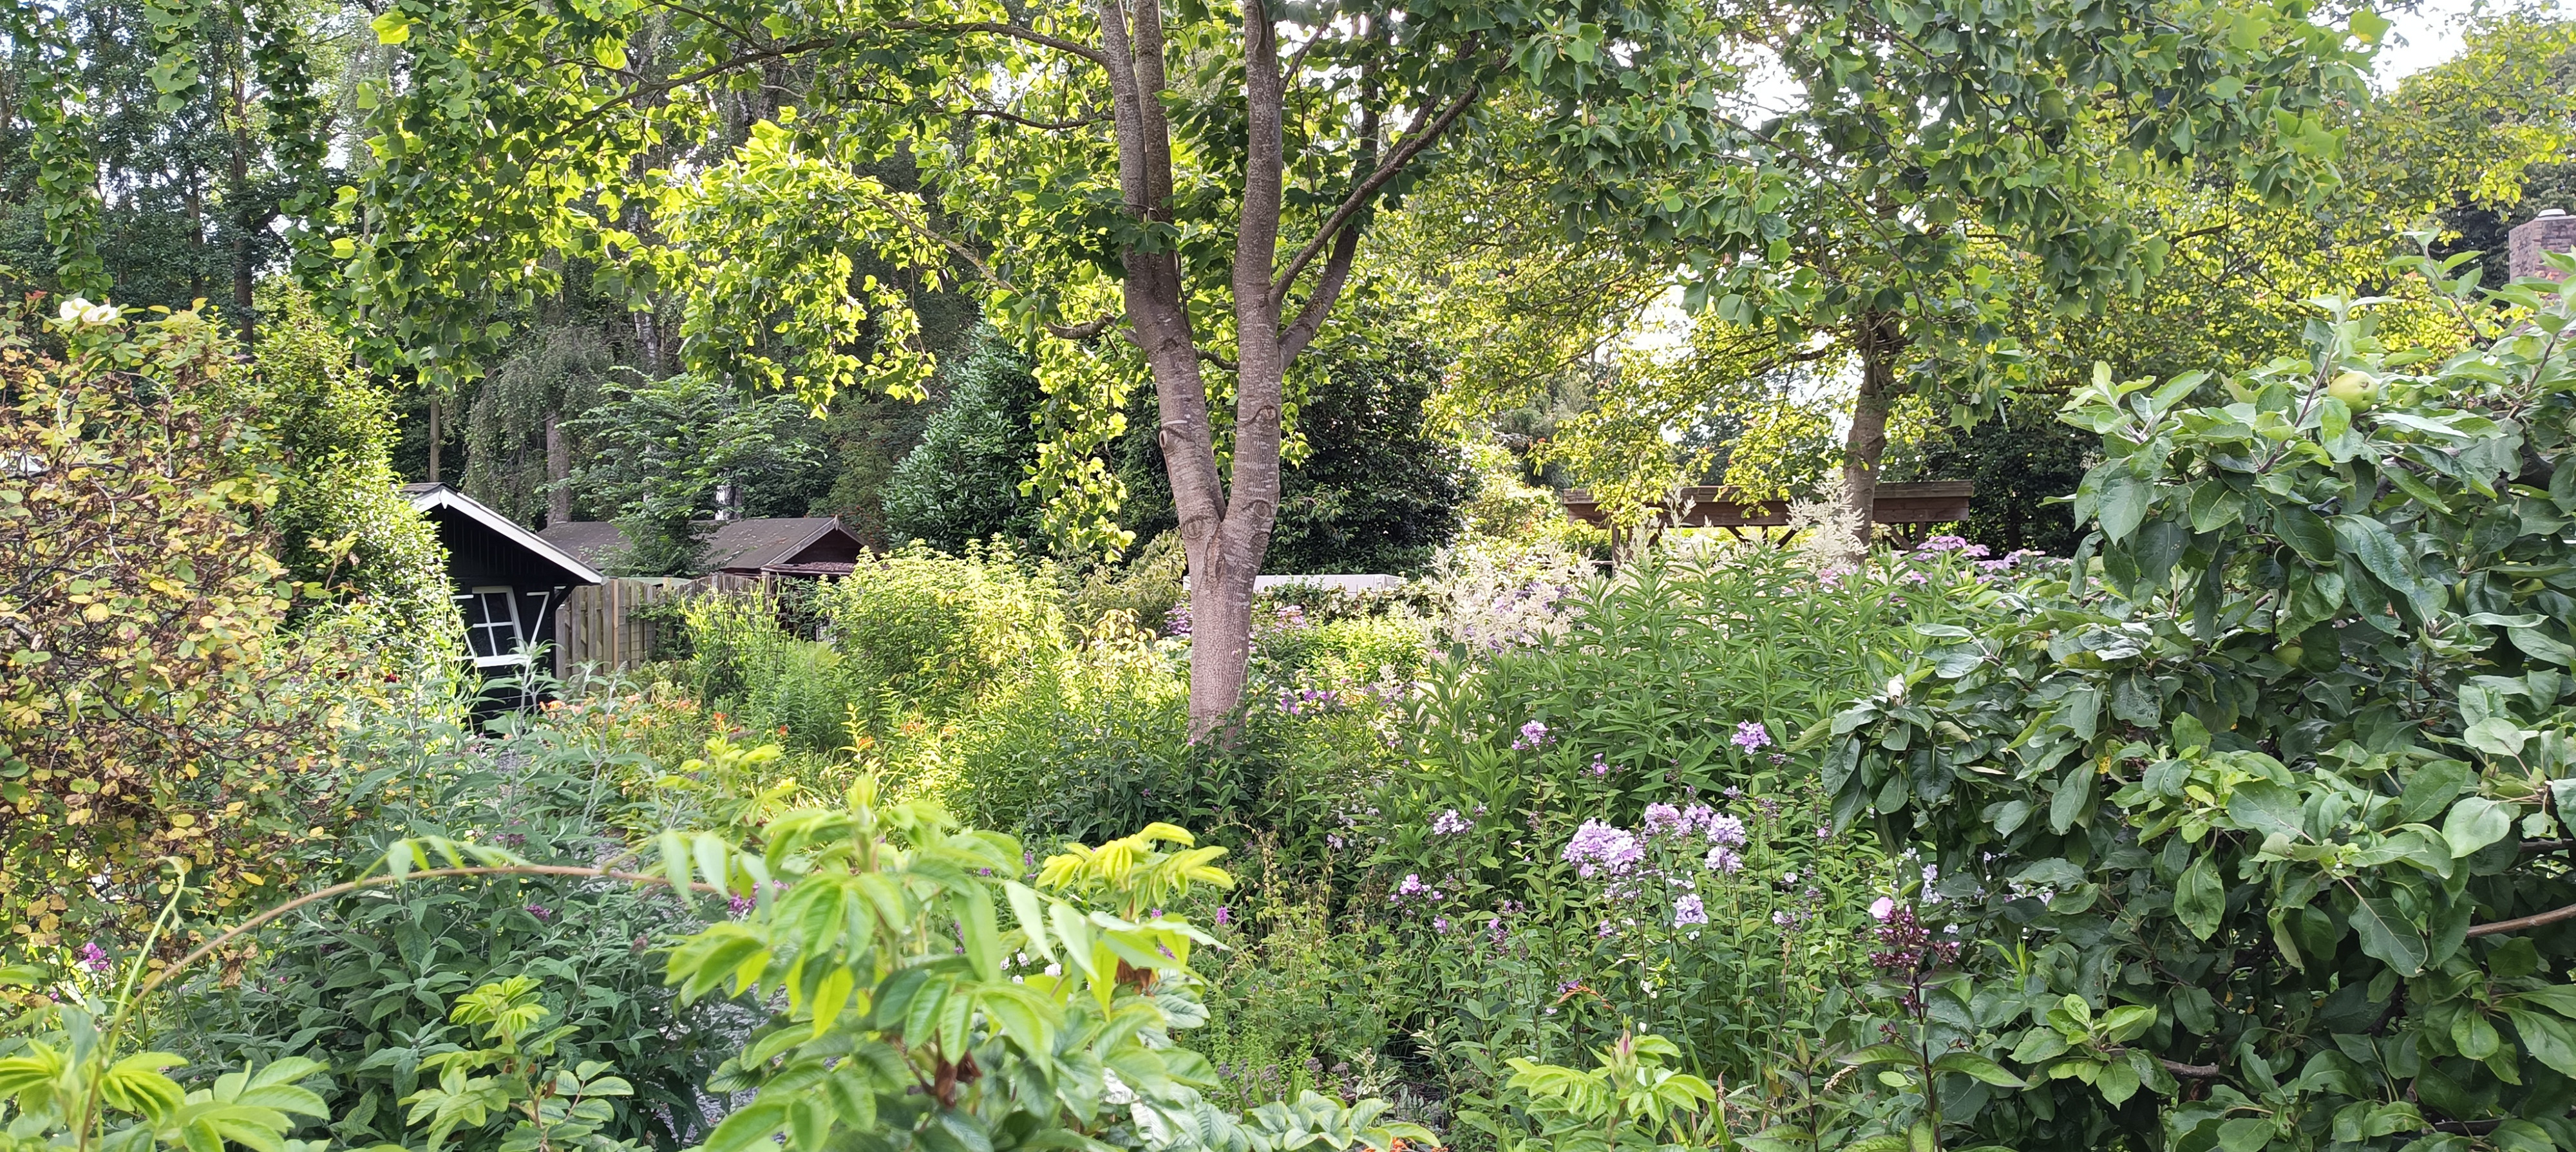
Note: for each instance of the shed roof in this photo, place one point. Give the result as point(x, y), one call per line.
point(755, 544)
point(434, 497)
point(738, 545)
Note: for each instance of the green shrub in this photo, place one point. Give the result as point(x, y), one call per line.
point(362, 982)
point(937, 629)
point(2262, 811)
point(742, 664)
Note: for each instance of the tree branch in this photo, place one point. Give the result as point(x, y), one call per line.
point(203, 950)
point(2189, 1071)
point(2539, 920)
point(1415, 140)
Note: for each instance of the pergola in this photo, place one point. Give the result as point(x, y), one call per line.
point(1907, 509)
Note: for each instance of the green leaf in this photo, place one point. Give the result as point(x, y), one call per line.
point(392, 28)
point(2549, 1039)
point(2475, 823)
point(2244, 1135)
point(2387, 937)
point(2306, 532)
point(2124, 506)
point(2200, 900)
point(1978, 1067)
point(2496, 736)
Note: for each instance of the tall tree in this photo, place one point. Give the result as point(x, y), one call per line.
point(1179, 192)
point(164, 141)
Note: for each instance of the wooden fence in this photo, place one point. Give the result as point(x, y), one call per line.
point(599, 625)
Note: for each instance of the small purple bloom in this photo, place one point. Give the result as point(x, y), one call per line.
point(1600, 767)
point(540, 913)
point(1723, 860)
point(1448, 823)
point(1751, 735)
point(1882, 908)
point(1533, 736)
point(1440, 924)
point(95, 958)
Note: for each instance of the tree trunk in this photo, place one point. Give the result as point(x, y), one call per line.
point(558, 467)
point(433, 437)
point(1225, 519)
point(1879, 337)
point(244, 276)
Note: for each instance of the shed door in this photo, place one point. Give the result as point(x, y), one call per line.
point(492, 632)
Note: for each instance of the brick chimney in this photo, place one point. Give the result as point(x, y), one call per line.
point(2551, 231)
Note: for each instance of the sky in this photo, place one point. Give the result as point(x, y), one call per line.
point(2425, 37)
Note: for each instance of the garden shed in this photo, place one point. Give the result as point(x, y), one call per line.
point(508, 581)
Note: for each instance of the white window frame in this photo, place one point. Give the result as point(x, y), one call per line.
point(518, 634)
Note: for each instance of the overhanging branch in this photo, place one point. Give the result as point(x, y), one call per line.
point(1414, 141)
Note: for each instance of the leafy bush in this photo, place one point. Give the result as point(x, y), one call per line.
point(153, 703)
point(340, 515)
point(937, 629)
point(2261, 810)
point(364, 982)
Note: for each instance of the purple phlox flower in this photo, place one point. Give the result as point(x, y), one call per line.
point(1177, 621)
point(1824, 831)
point(1722, 859)
point(1448, 823)
point(1662, 819)
point(1605, 931)
point(1411, 885)
point(1958, 544)
point(1917, 578)
point(1779, 757)
point(1882, 908)
point(1597, 847)
point(1832, 577)
point(95, 958)
point(1440, 924)
point(1725, 830)
point(1688, 911)
point(1533, 735)
point(1224, 915)
point(1750, 735)
point(1732, 792)
point(1600, 767)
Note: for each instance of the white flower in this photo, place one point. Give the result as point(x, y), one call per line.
point(78, 312)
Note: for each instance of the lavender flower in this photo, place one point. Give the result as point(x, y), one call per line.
point(1533, 736)
point(1440, 924)
point(1412, 885)
point(1224, 915)
point(1600, 767)
point(1597, 847)
point(1723, 860)
point(540, 912)
point(1688, 911)
point(1751, 735)
point(1725, 830)
point(1448, 823)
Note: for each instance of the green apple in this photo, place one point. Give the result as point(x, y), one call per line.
point(2358, 392)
